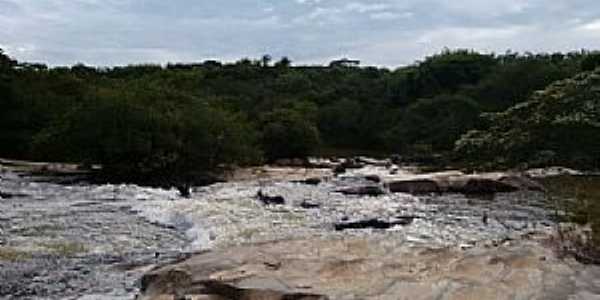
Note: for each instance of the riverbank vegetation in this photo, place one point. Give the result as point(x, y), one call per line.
point(184, 122)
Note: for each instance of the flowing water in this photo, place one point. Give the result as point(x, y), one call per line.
point(82, 241)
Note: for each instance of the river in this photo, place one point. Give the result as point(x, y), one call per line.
point(84, 241)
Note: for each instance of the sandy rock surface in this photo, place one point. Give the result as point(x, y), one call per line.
point(372, 268)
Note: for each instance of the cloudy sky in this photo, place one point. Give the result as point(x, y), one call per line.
point(379, 32)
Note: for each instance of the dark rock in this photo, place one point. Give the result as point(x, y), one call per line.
point(309, 205)
point(184, 190)
point(483, 186)
point(310, 181)
point(414, 186)
point(369, 190)
point(291, 162)
point(4, 195)
point(396, 159)
point(339, 169)
point(270, 200)
point(374, 223)
point(373, 162)
point(373, 178)
point(522, 183)
point(352, 163)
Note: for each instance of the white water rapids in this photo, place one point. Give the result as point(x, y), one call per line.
point(81, 240)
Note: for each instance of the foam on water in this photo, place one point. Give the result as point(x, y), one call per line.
point(227, 214)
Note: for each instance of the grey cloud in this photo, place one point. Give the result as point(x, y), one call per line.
point(385, 32)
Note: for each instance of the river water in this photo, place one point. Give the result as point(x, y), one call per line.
point(82, 241)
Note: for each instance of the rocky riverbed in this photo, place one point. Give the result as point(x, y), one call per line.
point(83, 241)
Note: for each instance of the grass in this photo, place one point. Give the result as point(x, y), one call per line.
point(65, 248)
point(578, 198)
point(11, 254)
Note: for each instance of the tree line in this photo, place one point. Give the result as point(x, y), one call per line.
point(184, 121)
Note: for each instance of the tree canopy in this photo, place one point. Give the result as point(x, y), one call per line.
point(189, 120)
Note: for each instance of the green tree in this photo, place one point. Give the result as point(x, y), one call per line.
point(287, 134)
point(435, 123)
point(561, 123)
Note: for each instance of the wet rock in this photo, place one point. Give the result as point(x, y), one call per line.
point(309, 181)
point(373, 178)
point(184, 190)
point(368, 190)
point(309, 205)
point(291, 162)
point(551, 172)
point(396, 159)
point(352, 163)
point(339, 169)
point(482, 186)
point(373, 162)
point(522, 183)
point(322, 163)
point(5, 195)
point(415, 186)
point(270, 200)
point(455, 182)
point(374, 223)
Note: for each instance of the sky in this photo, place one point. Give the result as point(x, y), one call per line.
point(378, 32)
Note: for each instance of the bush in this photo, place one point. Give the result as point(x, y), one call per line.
point(152, 136)
point(288, 134)
point(563, 119)
point(437, 122)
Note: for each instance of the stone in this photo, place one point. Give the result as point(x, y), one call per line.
point(455, 182)
point(352, 163)
point(270, 200)
point(310, 181)
point(478, 185)
point(414, 186)
point(367, 190)
point(373, 178)
point(374, 223)
point(339, 169)
point(371, 268)
point(372, 161)
point(309, 205)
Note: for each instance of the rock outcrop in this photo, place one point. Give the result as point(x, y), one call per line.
point(367, 190)
point(372, 269)
point(456, 182)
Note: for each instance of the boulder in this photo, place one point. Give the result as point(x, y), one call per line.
point(414, 186)
point(522, 182)
point(373, 178)
point(4, 195)
point(352, 163)
point(269, 200)
point(372, 161)
point(367, 190)
point(373, 223)
point(310, 181)
point(309, 205)
point(477, 185)
point(552, 172)
point(339, 169)
point(372, 268)
point(291, 162)
point(455, 182)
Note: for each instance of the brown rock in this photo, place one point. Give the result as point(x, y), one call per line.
point(415, 186)
point(371, 268)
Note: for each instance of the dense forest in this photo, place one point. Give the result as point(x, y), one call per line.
point(181, 122)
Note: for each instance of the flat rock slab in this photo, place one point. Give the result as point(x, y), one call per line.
point(456, 182)
point(361, 268)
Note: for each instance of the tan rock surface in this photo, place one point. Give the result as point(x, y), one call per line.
point(373, 269)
